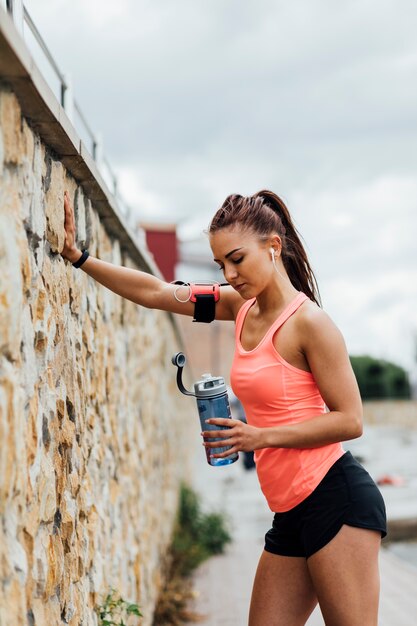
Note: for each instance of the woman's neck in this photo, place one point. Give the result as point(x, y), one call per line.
point(275, 297)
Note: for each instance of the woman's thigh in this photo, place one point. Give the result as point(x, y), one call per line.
point(283, 594)
point(345, 575)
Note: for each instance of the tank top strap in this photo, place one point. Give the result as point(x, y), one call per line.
point(287, 312)
point(241, 314)
point(284, 315)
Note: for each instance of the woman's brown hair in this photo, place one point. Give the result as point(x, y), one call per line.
point(265, 213)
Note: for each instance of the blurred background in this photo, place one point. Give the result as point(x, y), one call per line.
point(315, 100)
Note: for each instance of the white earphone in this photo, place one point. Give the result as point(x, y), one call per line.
point(272, 251)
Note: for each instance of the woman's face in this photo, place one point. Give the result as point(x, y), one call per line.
point(244, 259)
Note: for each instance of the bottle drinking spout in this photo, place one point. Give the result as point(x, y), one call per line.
point(179, 361)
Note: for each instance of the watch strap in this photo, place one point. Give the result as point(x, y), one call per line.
point(83, 257)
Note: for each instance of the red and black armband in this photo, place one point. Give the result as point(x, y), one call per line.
point(204, 294)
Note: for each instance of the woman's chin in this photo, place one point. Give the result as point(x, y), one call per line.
point(245, 292)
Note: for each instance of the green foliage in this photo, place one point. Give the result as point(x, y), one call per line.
point(197, 535)
point(114, 611)
point(378, 378)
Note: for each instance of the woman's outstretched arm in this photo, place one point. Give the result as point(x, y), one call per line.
point(135, 285)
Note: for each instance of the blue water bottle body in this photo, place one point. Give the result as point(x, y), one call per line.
point(215, 406)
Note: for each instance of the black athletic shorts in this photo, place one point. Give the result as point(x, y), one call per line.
point(346, 495)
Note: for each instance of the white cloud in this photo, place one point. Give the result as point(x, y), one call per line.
point(138, 195)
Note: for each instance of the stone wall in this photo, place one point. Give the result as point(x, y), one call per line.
point(92, 429)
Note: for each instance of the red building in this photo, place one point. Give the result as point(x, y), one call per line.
point(162, 242)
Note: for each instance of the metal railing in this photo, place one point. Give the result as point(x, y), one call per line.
point(22, 18)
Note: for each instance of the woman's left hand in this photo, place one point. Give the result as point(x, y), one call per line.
point(241, 436)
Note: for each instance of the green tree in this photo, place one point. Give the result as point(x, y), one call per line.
point(378, 378)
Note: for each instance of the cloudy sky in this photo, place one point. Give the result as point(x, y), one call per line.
point(314, 99)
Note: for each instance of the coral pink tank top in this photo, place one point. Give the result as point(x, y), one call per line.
point(273, 393)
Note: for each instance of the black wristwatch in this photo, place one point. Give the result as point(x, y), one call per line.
point(83, 257)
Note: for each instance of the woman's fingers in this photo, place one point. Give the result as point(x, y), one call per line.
point(209, 434)
point(69, 250)
point(219, 444)
point(223, 455)
point(223, 421)
point(223, 443)
point(67, 209)
point(69, 224)
point(240, 436)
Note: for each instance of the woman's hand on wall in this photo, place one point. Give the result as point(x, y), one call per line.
point(70, 250)
point(241, 436)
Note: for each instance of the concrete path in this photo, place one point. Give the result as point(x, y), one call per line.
point(223, 584)
point(223, 587)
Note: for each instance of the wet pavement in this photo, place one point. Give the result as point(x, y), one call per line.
point(224, 583)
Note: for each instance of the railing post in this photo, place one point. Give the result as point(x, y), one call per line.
point(15, 7)
point(98, 148)
point(67, 97)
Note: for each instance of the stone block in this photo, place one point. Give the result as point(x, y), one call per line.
point(29, 365)
point(55, 565)
point(80, 208)
point(47, 490)
point(1, 153)
point(10, 124)
point(11, 296)
point(32, 204)
point(54, 205)
point(12, 603)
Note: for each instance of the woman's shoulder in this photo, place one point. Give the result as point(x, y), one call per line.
point(314, 323)
point(312, 317)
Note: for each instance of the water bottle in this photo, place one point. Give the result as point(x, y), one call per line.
point(212, 401)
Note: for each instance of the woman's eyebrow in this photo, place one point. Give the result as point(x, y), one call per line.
point(228, 254)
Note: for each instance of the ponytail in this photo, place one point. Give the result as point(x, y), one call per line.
point(265, 213)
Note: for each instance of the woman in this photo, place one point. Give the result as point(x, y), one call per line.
point(292, 373)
